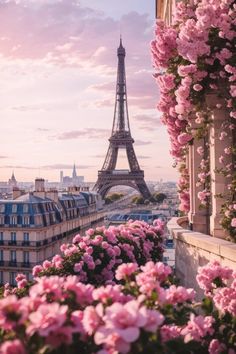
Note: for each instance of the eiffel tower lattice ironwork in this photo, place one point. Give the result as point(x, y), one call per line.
point(121, 138)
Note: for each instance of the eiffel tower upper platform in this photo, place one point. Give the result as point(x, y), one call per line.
point(121, 138)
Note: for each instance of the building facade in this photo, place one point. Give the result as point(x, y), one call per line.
point(34, 225)
point(200, 236)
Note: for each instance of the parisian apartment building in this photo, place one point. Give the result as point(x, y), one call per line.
point(34, 225)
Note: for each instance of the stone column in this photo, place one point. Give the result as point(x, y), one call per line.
point(198, 216)
point(219, 182)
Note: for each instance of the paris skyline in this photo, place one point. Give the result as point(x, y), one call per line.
point(58, 66)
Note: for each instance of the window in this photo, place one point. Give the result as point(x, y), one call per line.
point(26, 237)
point(1, 277)
point(14, 208)
point(1, 237)
point(2, 208)
point(26, 220)
point(26, 256)
point(25, 208)
point(1, 256)
point(14, 220)
point(2, 219)
point(12, 278)
point(13, 256)
point(13, 236)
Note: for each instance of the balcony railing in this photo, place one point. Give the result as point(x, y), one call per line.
point(41, 243)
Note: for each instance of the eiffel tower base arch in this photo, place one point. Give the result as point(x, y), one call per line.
point(134, 180)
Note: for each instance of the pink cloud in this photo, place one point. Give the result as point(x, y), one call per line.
point(63, 32)
point(90, 133)
point(141, 88)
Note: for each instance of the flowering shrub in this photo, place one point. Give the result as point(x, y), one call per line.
point(195, 57)
point(95, 256)
point(143, 313)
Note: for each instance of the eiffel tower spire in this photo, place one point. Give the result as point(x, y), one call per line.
point(121, 115)
point(121, 139)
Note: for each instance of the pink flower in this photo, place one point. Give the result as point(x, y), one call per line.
point(12, 312)
point(200, 150)
point(227, 150)
point(197, 87)
point(208, 274)
point(184, 70)
point(122, 322)
point(154, 320)
point(198, 327)
point(216, 347)
point(47, 319)
point(36, 270)
point(92, 318)
point(61, 336)
point(184, 138)
point(12, 347)
point(76, 318)
point(175, 295)
point(169, 332)
point(225, 300)
point(125, 270)
point(233, 222)
point(108, 293)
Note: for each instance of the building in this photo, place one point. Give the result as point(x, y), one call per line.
point(74, 180)
point(34, 225)
point(200, 236)
point(12, 182)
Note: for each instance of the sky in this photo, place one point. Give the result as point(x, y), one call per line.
point(58, 67)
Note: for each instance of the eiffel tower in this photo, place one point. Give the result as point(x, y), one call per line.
point(121, 138)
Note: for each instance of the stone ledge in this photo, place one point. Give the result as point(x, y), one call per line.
point(219, 247)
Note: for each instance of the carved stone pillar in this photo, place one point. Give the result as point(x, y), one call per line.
point(219, 181)
point(198, 215)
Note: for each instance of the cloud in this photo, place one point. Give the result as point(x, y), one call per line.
point(141, 142)
point(19, 167)
point(61, 166)
point(141, 90)
point(147, 122)
point(66, 33)
point(58, 166)
point(141, 157)
point(43, 129)
point(27, 108)
point(89, 133)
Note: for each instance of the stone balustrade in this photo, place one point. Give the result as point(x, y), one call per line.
point(195, 249)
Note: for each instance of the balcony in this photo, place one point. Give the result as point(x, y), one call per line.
point(195, 249)
point(12, 243)
point(26, 265)
point(25, 243)
point(12, 263)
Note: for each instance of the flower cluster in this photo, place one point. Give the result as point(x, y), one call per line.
point(195, 59)
point(142, 313)
point(95, 256)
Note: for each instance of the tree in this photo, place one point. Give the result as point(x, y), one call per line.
point(159, 197)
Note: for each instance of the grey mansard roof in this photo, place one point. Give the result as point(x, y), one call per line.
point(32, 210)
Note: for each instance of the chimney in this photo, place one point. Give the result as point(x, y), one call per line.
point(17, 192)
point(39, 188)
point(39, 185)
point(52, 194)
point(74, 190)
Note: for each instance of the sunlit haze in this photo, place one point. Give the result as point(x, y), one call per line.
point(58, 74)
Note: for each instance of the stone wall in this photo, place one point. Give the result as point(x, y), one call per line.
point(194, 249)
